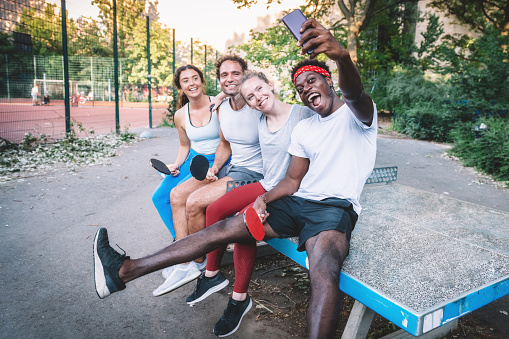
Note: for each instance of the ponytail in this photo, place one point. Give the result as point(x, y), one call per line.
point(182, 100)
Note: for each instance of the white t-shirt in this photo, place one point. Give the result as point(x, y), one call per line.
point(341, 150)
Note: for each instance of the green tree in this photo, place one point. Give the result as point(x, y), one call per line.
point(389, 39)
point(161, 63)
point(128, 14)
point(88, 39)
point(478, 14)
point(478, 68)
point(45, 29)
point(357, 14)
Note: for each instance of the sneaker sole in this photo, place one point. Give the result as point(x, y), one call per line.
point(99, 279)
point(181, 283)
point(209, 292)
point(240, 321)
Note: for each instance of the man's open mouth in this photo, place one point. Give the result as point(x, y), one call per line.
point(314, 99)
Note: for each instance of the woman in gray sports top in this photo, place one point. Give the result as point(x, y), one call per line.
point(274, 129)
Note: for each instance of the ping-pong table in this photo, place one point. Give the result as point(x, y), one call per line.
point(420, 260)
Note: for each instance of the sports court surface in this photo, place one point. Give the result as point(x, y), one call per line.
point(20, 116)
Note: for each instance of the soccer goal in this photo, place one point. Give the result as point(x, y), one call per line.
point(55, 89)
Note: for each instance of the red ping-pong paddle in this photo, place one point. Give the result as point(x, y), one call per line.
point(199, 167)
point(254, 223)
point(160, 166)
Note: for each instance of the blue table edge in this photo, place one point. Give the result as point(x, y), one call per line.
point(415, 323)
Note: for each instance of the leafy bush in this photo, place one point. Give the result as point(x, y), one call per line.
point(420, 106)
point(402, 88)
point(474, 82)
point(432, 120)
point(424, 122)
point(490, 151)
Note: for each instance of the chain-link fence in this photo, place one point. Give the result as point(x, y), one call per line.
point(32, 70)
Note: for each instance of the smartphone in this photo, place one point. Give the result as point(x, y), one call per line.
point(294, 21)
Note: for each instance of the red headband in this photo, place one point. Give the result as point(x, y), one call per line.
point(311, 68)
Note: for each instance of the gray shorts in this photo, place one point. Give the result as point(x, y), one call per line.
point(242, 173)
point(223, 172)
point(295, 216)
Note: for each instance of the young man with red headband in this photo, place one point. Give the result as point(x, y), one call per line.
point(332, 155)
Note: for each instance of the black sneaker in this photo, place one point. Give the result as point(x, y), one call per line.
point(232, 316)
point(206, 286)
point(107, 263)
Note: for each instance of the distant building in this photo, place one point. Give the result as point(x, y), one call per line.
point(450, 25)
point(11, 10)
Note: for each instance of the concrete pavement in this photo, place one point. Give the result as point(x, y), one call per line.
point(48, 224)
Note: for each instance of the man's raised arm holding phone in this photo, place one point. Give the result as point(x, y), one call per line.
point(332, 155)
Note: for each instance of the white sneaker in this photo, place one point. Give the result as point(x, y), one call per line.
point(167, 271)
point(202, 266)
point(180, 275)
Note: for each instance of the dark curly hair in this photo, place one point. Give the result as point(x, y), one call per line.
point(230, 57)
point(310, 62)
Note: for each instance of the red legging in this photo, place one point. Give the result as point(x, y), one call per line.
point(244, 254)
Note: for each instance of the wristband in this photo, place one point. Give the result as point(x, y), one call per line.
point(263, 198)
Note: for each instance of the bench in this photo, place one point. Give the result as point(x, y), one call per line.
point(419, 259)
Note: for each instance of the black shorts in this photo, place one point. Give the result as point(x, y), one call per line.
point(295, 216)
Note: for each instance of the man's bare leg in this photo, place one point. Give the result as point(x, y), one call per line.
point(113, 270)
point(326, 252)
point(178, 198)
point(198, 201)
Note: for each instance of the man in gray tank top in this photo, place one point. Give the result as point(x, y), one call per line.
point(238, 138)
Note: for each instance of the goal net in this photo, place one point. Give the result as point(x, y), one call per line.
point(55, 89)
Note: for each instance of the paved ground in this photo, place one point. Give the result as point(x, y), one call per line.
point(47, 224)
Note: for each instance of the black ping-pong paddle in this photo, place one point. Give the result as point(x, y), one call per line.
point(254, 223)
point(160, 166)
point(199, 167)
